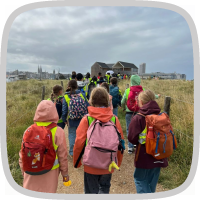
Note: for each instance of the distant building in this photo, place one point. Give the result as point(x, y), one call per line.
point(142, 68)
point(163, 75)
point(22, 77)
point(125, 68)
point(16, 72)
point(99, 67)
point(121, 67)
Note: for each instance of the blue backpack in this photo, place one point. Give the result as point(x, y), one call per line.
point(114, 92)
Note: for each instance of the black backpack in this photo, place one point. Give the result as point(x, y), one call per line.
point(58, 104)
point(91, 85)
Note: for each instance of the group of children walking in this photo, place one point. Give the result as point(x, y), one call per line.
point(95, 135)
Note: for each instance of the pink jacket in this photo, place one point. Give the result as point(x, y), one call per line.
point(46, 112)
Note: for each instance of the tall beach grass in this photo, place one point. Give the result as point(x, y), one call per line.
point(22, 98)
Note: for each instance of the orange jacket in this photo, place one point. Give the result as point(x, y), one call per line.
point(104, 115)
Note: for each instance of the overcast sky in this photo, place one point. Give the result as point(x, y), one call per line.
point(73, 38)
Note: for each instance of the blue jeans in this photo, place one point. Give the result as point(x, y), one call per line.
point(72, 137)
point(146, 179)
point(128, 121)
point(115, 111)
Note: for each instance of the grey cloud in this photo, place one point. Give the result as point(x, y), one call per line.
point(76, 37)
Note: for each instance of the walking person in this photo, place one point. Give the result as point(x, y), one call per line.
point(99, 164)
point(106, 86)
point(128, 101)
point(57, 98)
point(116, 94)
point(82, 85)
point(40, 174)
point(74, 108)
point(73, 76)
point(147, 168)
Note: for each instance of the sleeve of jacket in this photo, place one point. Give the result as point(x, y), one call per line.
point(123, 102)
point(81, 136)
point(136, 127)
point(64, 110)
point(120, 98)
point(119, 154)
point(60, 141)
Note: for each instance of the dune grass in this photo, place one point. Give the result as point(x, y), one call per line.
point(182, 119)
point(22, 98)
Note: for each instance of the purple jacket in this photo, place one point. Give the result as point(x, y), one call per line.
point(137, 125)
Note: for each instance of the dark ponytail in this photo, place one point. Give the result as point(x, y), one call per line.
point(72, 86)
point(55, 92)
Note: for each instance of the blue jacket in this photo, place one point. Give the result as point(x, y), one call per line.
point(72, 123)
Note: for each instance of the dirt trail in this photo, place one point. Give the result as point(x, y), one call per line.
point(121, 183)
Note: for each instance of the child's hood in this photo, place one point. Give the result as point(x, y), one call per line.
point(74, 92)
point(46, 112)
point(102, 114)
point(135, 80)
point(150, 108)
point(80, 83)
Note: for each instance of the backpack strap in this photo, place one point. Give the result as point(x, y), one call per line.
point(67, 99)
point(141, 114)
point(52, 125)
point(89, 118)
point(81, 95)
point(138, 151)
point(139, 146)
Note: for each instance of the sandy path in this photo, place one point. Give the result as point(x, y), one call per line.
point(122, 181)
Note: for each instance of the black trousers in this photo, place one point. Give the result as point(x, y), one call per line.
point(97, 184)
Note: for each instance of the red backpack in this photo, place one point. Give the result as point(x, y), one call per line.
point(132, 102)
point(38, 153)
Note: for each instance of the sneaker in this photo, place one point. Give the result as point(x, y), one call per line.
point(130, 150)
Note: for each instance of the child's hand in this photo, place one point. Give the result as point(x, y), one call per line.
point(159, 95)
point(66, 123)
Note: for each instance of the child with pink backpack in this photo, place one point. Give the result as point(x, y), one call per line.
point(100, 141)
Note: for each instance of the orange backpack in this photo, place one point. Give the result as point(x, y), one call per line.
point(160, 139)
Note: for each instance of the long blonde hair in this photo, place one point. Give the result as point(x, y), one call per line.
point(146, 96)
